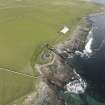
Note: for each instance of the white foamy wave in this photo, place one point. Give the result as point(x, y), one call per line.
point(80, 53)
point(88, 48)
point(77, 86)
point(90, 34)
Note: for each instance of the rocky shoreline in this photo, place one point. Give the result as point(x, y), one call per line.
point(55, 75)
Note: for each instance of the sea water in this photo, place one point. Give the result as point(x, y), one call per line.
point(93, 66)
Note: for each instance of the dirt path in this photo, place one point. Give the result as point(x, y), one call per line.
point(19, 73)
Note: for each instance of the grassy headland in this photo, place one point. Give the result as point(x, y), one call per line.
point(24, 24)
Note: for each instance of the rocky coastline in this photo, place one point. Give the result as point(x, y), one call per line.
point(55, 75)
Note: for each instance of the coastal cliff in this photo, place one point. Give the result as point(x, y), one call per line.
point(56, 74)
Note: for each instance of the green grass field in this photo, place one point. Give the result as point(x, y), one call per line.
point(24, 24)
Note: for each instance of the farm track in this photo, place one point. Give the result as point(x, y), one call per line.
point(19, 73)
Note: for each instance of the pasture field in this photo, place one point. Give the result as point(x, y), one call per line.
point(24, 24)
